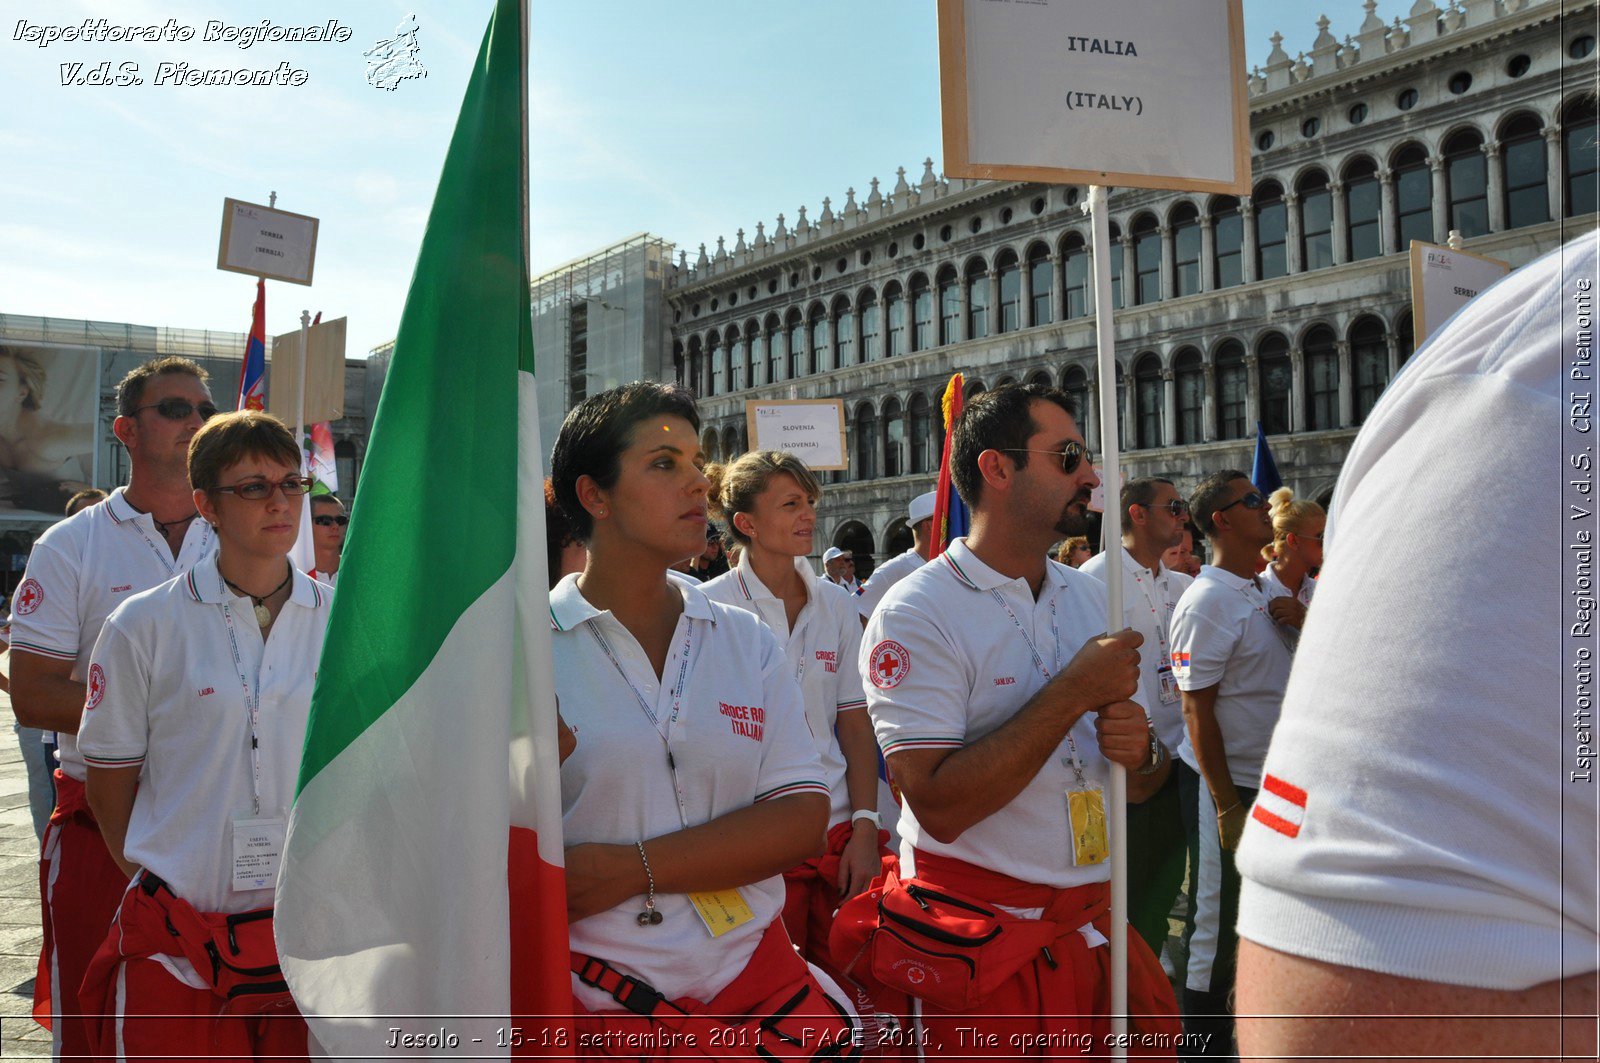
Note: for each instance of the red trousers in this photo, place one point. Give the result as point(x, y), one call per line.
point(80, 887)
point(1051, 1010)
point(144, 1012)
point(775, 994)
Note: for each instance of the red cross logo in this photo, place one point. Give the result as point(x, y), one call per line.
point(890, 662)
point(29, 597)
point(97, 686)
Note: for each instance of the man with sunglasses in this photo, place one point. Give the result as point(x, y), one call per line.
point(1153, 516)
point(1231, 660)
point(80, 570)
point(1000, 705)
point(329, 523)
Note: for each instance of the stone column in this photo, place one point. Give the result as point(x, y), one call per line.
point(1555, 172)
point(1058, 289)
point(1169, 263)
point(1208, 405)
point(1392, 343)
point(1169, 408)
point(1295, 260)
point(1497, 186)
point(1347, 385)
point(1130, 269)
point(1297, 390)
point(1441, 200)
point(1388, 213)
point(1130, 410)
point(1208, 254)
point(1252, 392)
point(1341, 228)
point(1247, 250)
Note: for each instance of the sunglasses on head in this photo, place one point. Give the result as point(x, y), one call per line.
point(179, 409)
point(1071, 455)
point(328, 520)
point(257, 490)
point(1253, 500)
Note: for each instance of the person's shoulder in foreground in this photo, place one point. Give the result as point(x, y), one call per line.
point(1425, 841)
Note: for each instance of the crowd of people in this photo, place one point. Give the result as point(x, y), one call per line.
point(807, 817)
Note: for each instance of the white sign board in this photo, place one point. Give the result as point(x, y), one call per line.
point(265, 242)
point(810, 429)
point(1131, 93)
point(1443, 281)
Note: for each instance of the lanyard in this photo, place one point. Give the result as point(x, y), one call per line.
point(649, 710)
point(1038, 662)
point(1161, 625)
point(252, 701)
point(169, 564)
point(1277, 628)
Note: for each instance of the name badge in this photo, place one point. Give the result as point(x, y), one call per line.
point(1169, 686)
point(1086, 811)
point(257, 849)
point(721, 910)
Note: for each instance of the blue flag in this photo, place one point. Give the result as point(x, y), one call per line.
point(1263, 470)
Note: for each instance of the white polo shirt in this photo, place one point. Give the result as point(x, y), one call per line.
point(822, 648)
point(885, 576)
point(946, 665)
point(1222, 636)
point(1148, 602)
point(166, 694)
point(1308, 586)
point(738, 736)
point(80, 570)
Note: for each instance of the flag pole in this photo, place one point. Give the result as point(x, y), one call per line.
point(1117, 812)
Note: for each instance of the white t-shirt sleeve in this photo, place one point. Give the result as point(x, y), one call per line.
point(1200, 646)
point(115, 732)
point(916, 690)
point(851, 691)
point(44, 610)
point(789, 762)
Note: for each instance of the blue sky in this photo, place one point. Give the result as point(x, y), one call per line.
point(689, 120)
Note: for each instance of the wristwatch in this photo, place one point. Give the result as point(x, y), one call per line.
point(868, 814)
point(1158, 754)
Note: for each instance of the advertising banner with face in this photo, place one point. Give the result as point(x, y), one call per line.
point(49, 398)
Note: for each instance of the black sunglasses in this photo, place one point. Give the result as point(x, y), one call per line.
point(257, 490)
point(1177, 507)
point(1070, 455)
point(179, 409)
point(328, 520)
point(1253, 500)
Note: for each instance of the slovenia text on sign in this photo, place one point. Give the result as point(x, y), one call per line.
point(1133, 93)
point(810, 429)
point(1443, 281)
point(266, 242)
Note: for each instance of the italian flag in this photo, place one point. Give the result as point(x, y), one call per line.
point(422, 883)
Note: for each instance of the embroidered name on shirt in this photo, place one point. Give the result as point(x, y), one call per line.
point(829, 659)
point(207, 690)
point(747, 720)
point(1005, 681)
point(121, 588)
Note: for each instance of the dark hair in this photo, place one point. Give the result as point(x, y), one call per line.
point(1139, 493)
point(131, 388)
point(557, 532)
point(996, 420)
point(598, 430)
point(1206, 498)
point(326, 496)
point(89, 496)
point(229, 438)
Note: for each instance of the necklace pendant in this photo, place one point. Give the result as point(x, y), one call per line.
point(263, 615)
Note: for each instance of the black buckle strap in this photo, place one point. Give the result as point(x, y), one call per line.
point(637, 996)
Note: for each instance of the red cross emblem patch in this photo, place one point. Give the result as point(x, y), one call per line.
point(29, 597)
point(890, 663)
point(97, 686)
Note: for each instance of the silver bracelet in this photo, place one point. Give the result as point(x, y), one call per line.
point(648, 917)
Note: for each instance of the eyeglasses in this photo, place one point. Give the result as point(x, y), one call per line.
point(328, 520)
point(1070, 455)
point(258, 490)
point(179, 409)
point(1177, 507)
point(1253, 500)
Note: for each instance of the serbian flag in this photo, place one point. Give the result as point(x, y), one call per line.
point(253, 373)
point(422, 876)
point(1263, 470)
point(950, 516)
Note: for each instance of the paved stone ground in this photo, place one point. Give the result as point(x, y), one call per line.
point(20, 1036)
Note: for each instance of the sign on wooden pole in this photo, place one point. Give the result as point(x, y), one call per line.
point(267, 242)
point(324, 374)
point(810, 429)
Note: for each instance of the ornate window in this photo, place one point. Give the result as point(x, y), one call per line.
point(1185, 222)
point(1467, 181)
point(1146, 260)
point(1277, 382)
point(1148, 399)
point(1272, 231)
point(978, 298)
point(1369, 357)
point(1010, 292)
point(894, 438)
point(1526, 184)
point(923, 334)
point(1075, 275)
point(1316, 221)
point(867, 307)
point(1228, 257)
point(1322, 379)
point(949, 306)
point(844, 332)
point(921, 430)
point(1041, 278)
point(1413, 197)
point(1363, 205)
point(1189, 378)
point(1231, 384)
point(894, 306)
point(1580, 152)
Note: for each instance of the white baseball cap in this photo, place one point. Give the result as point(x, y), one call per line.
point(833, 554)
point(921, 508)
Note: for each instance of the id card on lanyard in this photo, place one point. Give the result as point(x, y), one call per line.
point(1167, 684)
point(1086, 803)
point(257, 839)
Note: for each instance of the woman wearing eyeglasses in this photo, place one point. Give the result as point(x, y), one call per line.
point(1294, 555)
point(694, 784)
point(198, 696)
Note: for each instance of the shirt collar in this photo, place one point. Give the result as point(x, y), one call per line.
point(973, 573)
point(1226, 578)
point(569, 608)
point(753, 589)
point(1130, 563)
point(204, 583)
point(119, 509)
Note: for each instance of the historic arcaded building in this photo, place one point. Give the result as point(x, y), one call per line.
point(1290, 306)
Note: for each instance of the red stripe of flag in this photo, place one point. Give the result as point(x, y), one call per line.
point(1277, 823)
point(1288, 791)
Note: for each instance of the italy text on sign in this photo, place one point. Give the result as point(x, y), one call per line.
point(810, 429)
point(1443, 281)
point(265, 242)
point(1131, 93)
